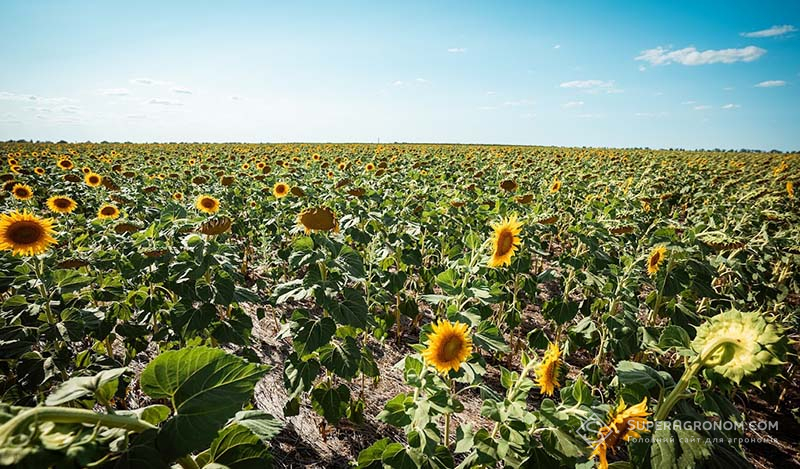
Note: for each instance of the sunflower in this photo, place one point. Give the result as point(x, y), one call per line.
point(86, 170)
point(25, 234)
point(108, 212)
point(207, 204)
point(737, 344)
point(22, 192)
point(177, 196)
point(61, 204)
point(790, 189)
point(281, 189)
point(93, 179)
point(369, 167)
point(508, 185)
point(624, 424)
point(39, 170)
point(547, 371)
point(448, 346)
point(318, 219)
point(555, 186)
point(505, 240)
point(655, 259)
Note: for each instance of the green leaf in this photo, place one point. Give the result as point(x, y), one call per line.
point(155, 413)
point(330, 403)
point(103, 386)
point(262, 424)
point(313, 334)
point(395, 456)
point(207, 386)
point(350, 311)
point(395, 411)
point(489, 337)
point(631, 373)
point(236, 447)
point(341, 357)
point(675, 336)
point(371, 457)
point(298, 376)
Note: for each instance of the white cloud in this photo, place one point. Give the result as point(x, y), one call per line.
point(69, 109)
point(728, 88)
point(180, 90)
point(149, 81)
point(528, 115)
point(731, 106)
point(702, 107)
point(770, 32)
point(688, 102)
point(420, 80)
point(164, 102)
point(691, 56)
point(7, 96)
point(590, 116)
point(115, 92)
point(236, 98)
point(491, 93)
point(136, 117)
point(642, 68)
point(771, 84)
point(398, 83)
point(587, 84)
point(557, 46)
point(651, 114)
point(457, 50)
point(572, 104)
point(487, 108)
point(518, 103)
point(592, 86)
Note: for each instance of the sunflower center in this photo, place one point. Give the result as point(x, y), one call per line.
point(25, 232)
point(450, 348)
point(654, 259)
point(207, 203)
point(22, 192)
point(61, 203)
point(108, 211)
point(505, 241)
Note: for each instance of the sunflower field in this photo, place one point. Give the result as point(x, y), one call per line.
point(397, 306)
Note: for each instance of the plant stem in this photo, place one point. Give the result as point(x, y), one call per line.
point(187, 462)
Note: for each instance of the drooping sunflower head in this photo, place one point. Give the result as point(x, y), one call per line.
point(655, 259)
point(624, 423)
point(555, 186)
point(548, 370)
point(280, 190)
point(449, 345)
point(508, 185)
point(505, 240)
point(738, 344)
point(22, 192)
point(25, 234)
point(206, 203)
point(318, 219)
point(93, 179)
point(61, 204)
point(108, 212)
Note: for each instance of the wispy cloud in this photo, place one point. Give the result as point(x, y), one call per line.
point(180, 90)
point(7, 96)
point(771, 32)
point(420, 80)
point(688, 102)
point(731, 106)
point(557, 46)
point(398, 83)
point(148, 81)
point(236, 98)
point(457, 50)
point(115, 92)
point(592, 86)
point(691, 56)
point(770, 84)
point(702, 107)
point(518, 103)
point(487, 108)
point(164, 102)
point(572, 104)
point(651, 114)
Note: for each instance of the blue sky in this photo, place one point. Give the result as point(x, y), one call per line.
point(572, 73)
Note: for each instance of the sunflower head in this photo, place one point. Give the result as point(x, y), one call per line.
point(548, 370)
point(108, 212)
point(449, 345)
point(22, 192)
point(370, 167)
point(505, 240)
point(508, 185)
point(66, 164)
point(93, 179)
point(39, 170)
point(555, 186)
point(655, 259)
point(624, 423)
point(280, 190)
point(736, 345)
point(790, 189)
point(207, 204)
point(318, 219)
point(25, 234)
point(177, 196)
point(61, 204)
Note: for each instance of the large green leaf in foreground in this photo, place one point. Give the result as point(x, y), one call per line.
point(206, 386)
